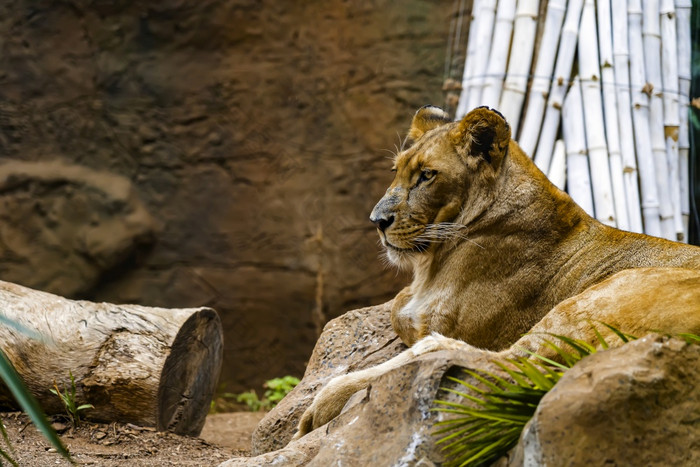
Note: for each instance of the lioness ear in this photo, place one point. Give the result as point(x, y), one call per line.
point(484, 133)
point(425, 119)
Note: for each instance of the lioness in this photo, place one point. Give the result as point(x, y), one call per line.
point(497, 251)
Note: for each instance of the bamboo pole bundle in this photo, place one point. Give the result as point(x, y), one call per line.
point(651, 36)
point(610, 111)
point(640, 114)
point(557, 169)
point(683, 11)
point(578, 174)
point(498, 60)
point(515, 86)
point(484, 34)
point(593, 117)
point(537, 97)
point(669, 61)
point(477, 54)
point(621, 63)
point(469, 62)
point(560, 83)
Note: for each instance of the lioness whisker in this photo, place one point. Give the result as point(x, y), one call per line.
point(444, 231)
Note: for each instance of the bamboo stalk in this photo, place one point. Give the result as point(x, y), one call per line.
point(560, 83)
point(469, 62)
point(557, 169)
point(484, 36)
point(539, 89)
point(621, 63)
point(683, 12)
point(610, 111)
point(651, 36)
point(498, 60)
point(578, 175)
point(515, 86)
point(640, 116)
point(669, 61)
point(593, 117)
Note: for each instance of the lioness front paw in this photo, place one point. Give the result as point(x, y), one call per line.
point(328, 403)
point(435, 342)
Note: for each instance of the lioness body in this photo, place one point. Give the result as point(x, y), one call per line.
point(496, 251)
point(531, 250)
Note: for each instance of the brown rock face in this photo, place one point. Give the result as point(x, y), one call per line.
point(390, 423)
point(356, 340)
point(635, 405)
point(254, 134)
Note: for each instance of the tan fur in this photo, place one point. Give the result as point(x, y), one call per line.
point(496, 251)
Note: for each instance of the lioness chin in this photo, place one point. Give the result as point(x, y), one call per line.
point(497, 251)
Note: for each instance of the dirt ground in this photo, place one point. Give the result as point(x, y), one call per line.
point(107, 445)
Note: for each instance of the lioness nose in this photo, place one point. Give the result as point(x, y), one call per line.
point(381, 222)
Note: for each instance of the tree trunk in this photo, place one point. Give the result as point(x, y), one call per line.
point(148, 366)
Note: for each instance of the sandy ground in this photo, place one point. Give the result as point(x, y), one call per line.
point(225, 435)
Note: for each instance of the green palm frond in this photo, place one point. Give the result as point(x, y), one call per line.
point(489, 419)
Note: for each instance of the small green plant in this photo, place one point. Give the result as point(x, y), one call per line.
point(69, 402)
point(485, 430)
point(250, 398)
point(275, 390)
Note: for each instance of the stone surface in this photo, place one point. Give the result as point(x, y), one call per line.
point(356, 340)
point(388, 423)
point(256, 134)
point(635, 405)
point(63, 226)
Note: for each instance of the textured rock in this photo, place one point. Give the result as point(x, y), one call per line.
point(388, 423)
point(255, 134)
point(63, 226)
point(635, 405)
point(358, 339)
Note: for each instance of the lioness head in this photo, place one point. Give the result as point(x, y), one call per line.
point(444, 180)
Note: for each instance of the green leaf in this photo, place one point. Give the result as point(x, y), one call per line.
point(480, 378)
point(569, 358)
point(29, 404)
point(584, 349)
point(623, 337)
point(544, 359)
point(519, 378)
point(532, 373)
point(601, 339)
point(8, 458)
point(689, 338)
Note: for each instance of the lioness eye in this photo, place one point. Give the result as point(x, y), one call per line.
point(426, 175)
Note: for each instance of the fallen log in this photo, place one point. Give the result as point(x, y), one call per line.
point(142, 365)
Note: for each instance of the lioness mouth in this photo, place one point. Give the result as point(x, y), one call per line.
point(419, 247)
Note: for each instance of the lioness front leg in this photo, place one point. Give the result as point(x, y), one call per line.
point(329, 402)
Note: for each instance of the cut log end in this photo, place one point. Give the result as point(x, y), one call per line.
point(190, 374)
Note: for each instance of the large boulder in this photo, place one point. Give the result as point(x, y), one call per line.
point(635, 405)
point(356, 340)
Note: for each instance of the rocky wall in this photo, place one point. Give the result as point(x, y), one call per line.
point(210, 153)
